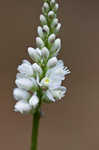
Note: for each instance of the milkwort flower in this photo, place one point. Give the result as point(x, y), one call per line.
point(41, 82)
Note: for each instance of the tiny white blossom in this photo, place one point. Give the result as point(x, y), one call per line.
point(52, 2)
point(39, 42)
point(26, 83)
point(43, 19)
point(37, 68)
point(40, 32)
point(57, 29)
point(52, 62)
point(35, 54)
point(46, 7)
point(51, 38)
point(25, 69)
point(34, 100)
point(59, 93)
point(56, 7)
point(51, 14)
point(54, 23)
point(56, 46)
point(46, 29)
point(22, 107)
point(21, 94)
point(45, 52)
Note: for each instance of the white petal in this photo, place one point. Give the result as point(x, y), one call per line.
point(58, 93)
point(45, 52)
point(22, 107)
point(25, 69)
point(39, 42)
point(50, 96)
point(21, 94)
point(52, 62)
point(35, 54)
point(34, 101)
point(43, 20)
point(25, 83)
point(46, 29)
point(40, 32)
point(56, 46)
point(37, 68)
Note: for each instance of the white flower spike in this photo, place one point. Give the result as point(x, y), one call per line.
point(41, 81)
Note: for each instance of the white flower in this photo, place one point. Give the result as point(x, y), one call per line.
point(56, 7)
point(21, 94)
point(58, 93)
point(22, 107)
point(37, 68)
point(51, 38)
point(25, 69)
point(54, 23)
point(52, 62)
point(54, 76)
point(52, 2)
point(26, 83)
point(57, 29)
point(43, 20)
point(40, 32)
point(46, 29)
point(55, 94)
point(35, 54)
point(51, 14)
point(45, 52)
point(46, 7)
point(56, 46)
point(34, 100)
point(39, 42)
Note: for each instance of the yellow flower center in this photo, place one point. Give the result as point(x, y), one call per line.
point(47, 80)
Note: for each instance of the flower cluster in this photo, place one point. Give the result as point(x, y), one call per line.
point(41, 81)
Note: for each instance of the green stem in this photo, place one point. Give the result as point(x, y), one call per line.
point(36, 120)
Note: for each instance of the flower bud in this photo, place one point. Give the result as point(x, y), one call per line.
point(37, 68)
point(45, 52)
point(25, 69)
point(40, 32)
point(34, 100)
point(46, 29)
point(58, 28)
point(22, 107)
point(45, 7)
point(51, 14)
point(52, 3)
point(20, 94)
point(43, 20)
point(52, 62)
point(39, 42)
point(35, 54)
point(56, 7)
point(54, 23)
point(25, 83)
point(51, 38)
point(57, 45)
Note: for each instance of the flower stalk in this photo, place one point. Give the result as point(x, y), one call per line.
point(35, 128)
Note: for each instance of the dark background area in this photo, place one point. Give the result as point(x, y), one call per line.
point(73, 124)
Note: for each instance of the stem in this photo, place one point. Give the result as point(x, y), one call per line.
point(36, 120)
